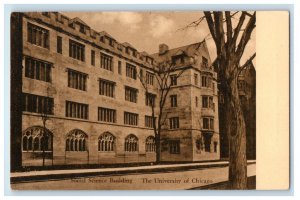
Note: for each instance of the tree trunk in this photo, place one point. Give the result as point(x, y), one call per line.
point(236, 133)
point(157, 146)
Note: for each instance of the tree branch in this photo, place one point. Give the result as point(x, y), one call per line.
point(246, 64)
point(246, 35)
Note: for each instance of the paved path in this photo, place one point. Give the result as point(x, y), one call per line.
point(82, 171)
point(139, 181)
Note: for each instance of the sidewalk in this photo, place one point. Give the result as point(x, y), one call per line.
point(74, 173)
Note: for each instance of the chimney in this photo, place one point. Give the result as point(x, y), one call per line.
point(163, 48)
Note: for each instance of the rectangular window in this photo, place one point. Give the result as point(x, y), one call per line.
point(106, 115)
point(38, 69)
point(174, 122)
point(207, 102)
point(76, 50)
point(173, 80)
point(77, 110)
point(38, 104)
point(131, 118)
point(107, 88)
point(173, 100)
point(196, 101)
point(149, 121)
point(241, 85)
point(37, 35)
point(131, 94)
point(130, 71)
point(77, 80)
point(59, 44)
point(119, 67)
point(208, 123)
point(206, 81)
point(150, 99)
point(204, 62)
point(196, 79)
point(149, 78)
point(106, 62)
point(174, 146)
point(93, 57)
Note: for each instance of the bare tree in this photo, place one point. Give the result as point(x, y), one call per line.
point(46, 110)
point(229, 54)
point(162, 76)
point(230, 46)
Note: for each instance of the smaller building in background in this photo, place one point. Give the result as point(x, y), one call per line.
point(247, 93)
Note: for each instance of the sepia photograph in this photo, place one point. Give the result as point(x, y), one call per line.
point(133, 100)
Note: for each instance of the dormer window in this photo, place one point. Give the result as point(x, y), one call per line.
point(102, 39)
point(47, 14)
point(127, 50)
point(134, 53)
point(81, 28)
point(111, 42)
point(204, 62)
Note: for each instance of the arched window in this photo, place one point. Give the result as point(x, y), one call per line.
point(106, 142)
point(34, 139)
point(131, 143)
point(150, 144)
point(76, 141)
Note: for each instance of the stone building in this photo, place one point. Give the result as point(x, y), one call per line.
point(83, 103)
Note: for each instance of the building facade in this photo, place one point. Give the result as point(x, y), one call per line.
point(83, 101)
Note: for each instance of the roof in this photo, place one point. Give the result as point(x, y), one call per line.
point(78, 20)
point(104, 33)
point(126, 44)
point(188, 50)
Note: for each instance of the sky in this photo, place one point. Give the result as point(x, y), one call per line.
point(146, 30)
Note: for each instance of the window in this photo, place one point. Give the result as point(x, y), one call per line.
point(173, 79)
point(215, 147)
point(119, 67)
point(196, 101)
point(59, 44)
point(208, 123)
point(106, 62)
point(131, 94)
point(199, 143)
point(38, 35)
point(106, 115)
point(38, 104)
point(111, 43)
point(77, 110)
point(106, 142)
point(241, 85)
point(131, 118)
point(173, 100)
point(77, 80)
point(131, 143)
point(81, 28)
point(107, 88)
point(207, 142)
point(204, 62)
point(206, 81)
point(149, 78)
point(76, 141)
point(150, 99)
point(46, 14)
point(93, 57)
point(150, 144)
point(130, 71)
point(174, 146)
point(174, 122)
point(37, 69)
point(35, 140)
point(149, 121)
point(196, 79)
point(207, 102)
point(76, 50)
